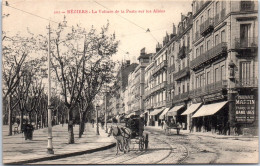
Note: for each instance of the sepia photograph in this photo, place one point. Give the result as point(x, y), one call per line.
point(110, 82)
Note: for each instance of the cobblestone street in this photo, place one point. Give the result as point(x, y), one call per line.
point(175, 149)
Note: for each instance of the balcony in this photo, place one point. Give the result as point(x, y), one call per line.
point(247, 6)
point(182, 73)
point(215, 52)
point(207, 27)
point(247, 83)
point(160, 104)
point(160, 66)
point(208, 89)
point(197, 36)
point(180, 97)
point(246, 46)
point(182, 53)
point(199, 9)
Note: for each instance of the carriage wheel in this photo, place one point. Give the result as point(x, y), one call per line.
point(146, 141)
point(141, 143)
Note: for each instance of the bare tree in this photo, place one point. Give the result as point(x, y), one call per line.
point(77, 57)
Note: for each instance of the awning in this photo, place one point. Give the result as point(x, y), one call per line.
point(173, 111)
point(191, 109)
point(164, 112)
point(157, 111)
point(209, 109)
point(128, 116)
point(142, 115)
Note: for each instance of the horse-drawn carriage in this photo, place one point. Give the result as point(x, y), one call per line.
point(136, 125)
point(131, 133)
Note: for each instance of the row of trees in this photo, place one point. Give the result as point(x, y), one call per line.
point(81, 65)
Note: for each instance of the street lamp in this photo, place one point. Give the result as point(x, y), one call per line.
point(97, 129)
point(49, 146)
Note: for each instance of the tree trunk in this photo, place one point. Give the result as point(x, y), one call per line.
point(70, 128)
point(10, 115)
point(36, 121)
point(21, 121)
point(41, 121)
point(80, 124)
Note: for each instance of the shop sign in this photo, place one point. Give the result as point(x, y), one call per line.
point(245, 108)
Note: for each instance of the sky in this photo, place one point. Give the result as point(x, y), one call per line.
point(128, 19)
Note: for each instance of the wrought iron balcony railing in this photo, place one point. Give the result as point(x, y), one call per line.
point(249, 42)
point(209, 88)
point(247, 6)
point(247, 82)
point(182, 53)
point(160, 66)
point(207, 26)
point(182, 73)
point(180, 97)
point(221, 48)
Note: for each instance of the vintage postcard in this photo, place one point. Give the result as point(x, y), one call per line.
point(129, 82)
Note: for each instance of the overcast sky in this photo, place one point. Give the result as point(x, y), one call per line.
point(130, 28)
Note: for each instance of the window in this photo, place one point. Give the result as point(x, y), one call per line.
point(223, 36)
point(245, 71)
point(201, 49)
point(197, 52)
point(197, 82)
point(216, 75)
point(216, 40)
point(208, 45)
point(201, 80)
point(209, 13)
point(208, 77)
point(223, 72)
point(183, 63)
point(188, 87)
point(201, 20)
point(183, 88)
point(244, 34)
point(217, 7)
point(179, 90)
point(197, 26)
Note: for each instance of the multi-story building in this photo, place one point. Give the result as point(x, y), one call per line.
point(138, 83)
point(180, 74)
point(205, 75)
point(118, 100)
point(224, 64)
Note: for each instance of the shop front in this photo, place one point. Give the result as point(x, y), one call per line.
point(189, 113)
point(154, 117)
point(212, 117)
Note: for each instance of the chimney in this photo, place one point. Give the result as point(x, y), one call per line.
point(142, 52)
point(173, 29)
point(182, 17)
point(127, 62)
point(158, 47)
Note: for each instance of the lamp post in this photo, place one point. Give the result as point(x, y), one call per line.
point(106, 112)
point(97, 129)
point(49, 146)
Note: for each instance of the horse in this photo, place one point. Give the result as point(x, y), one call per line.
point(122, 136)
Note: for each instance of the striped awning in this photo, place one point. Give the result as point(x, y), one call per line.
point(163, 113)
point(209, 109)
point(191, 109)
point(174, 110)
point(157, 111)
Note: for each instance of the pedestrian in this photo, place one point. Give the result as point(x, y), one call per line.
point(92, 121)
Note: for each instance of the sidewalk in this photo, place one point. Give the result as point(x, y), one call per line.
point(205, 134)
point(17, 150)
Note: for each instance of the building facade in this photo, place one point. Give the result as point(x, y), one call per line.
point(205, 76)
